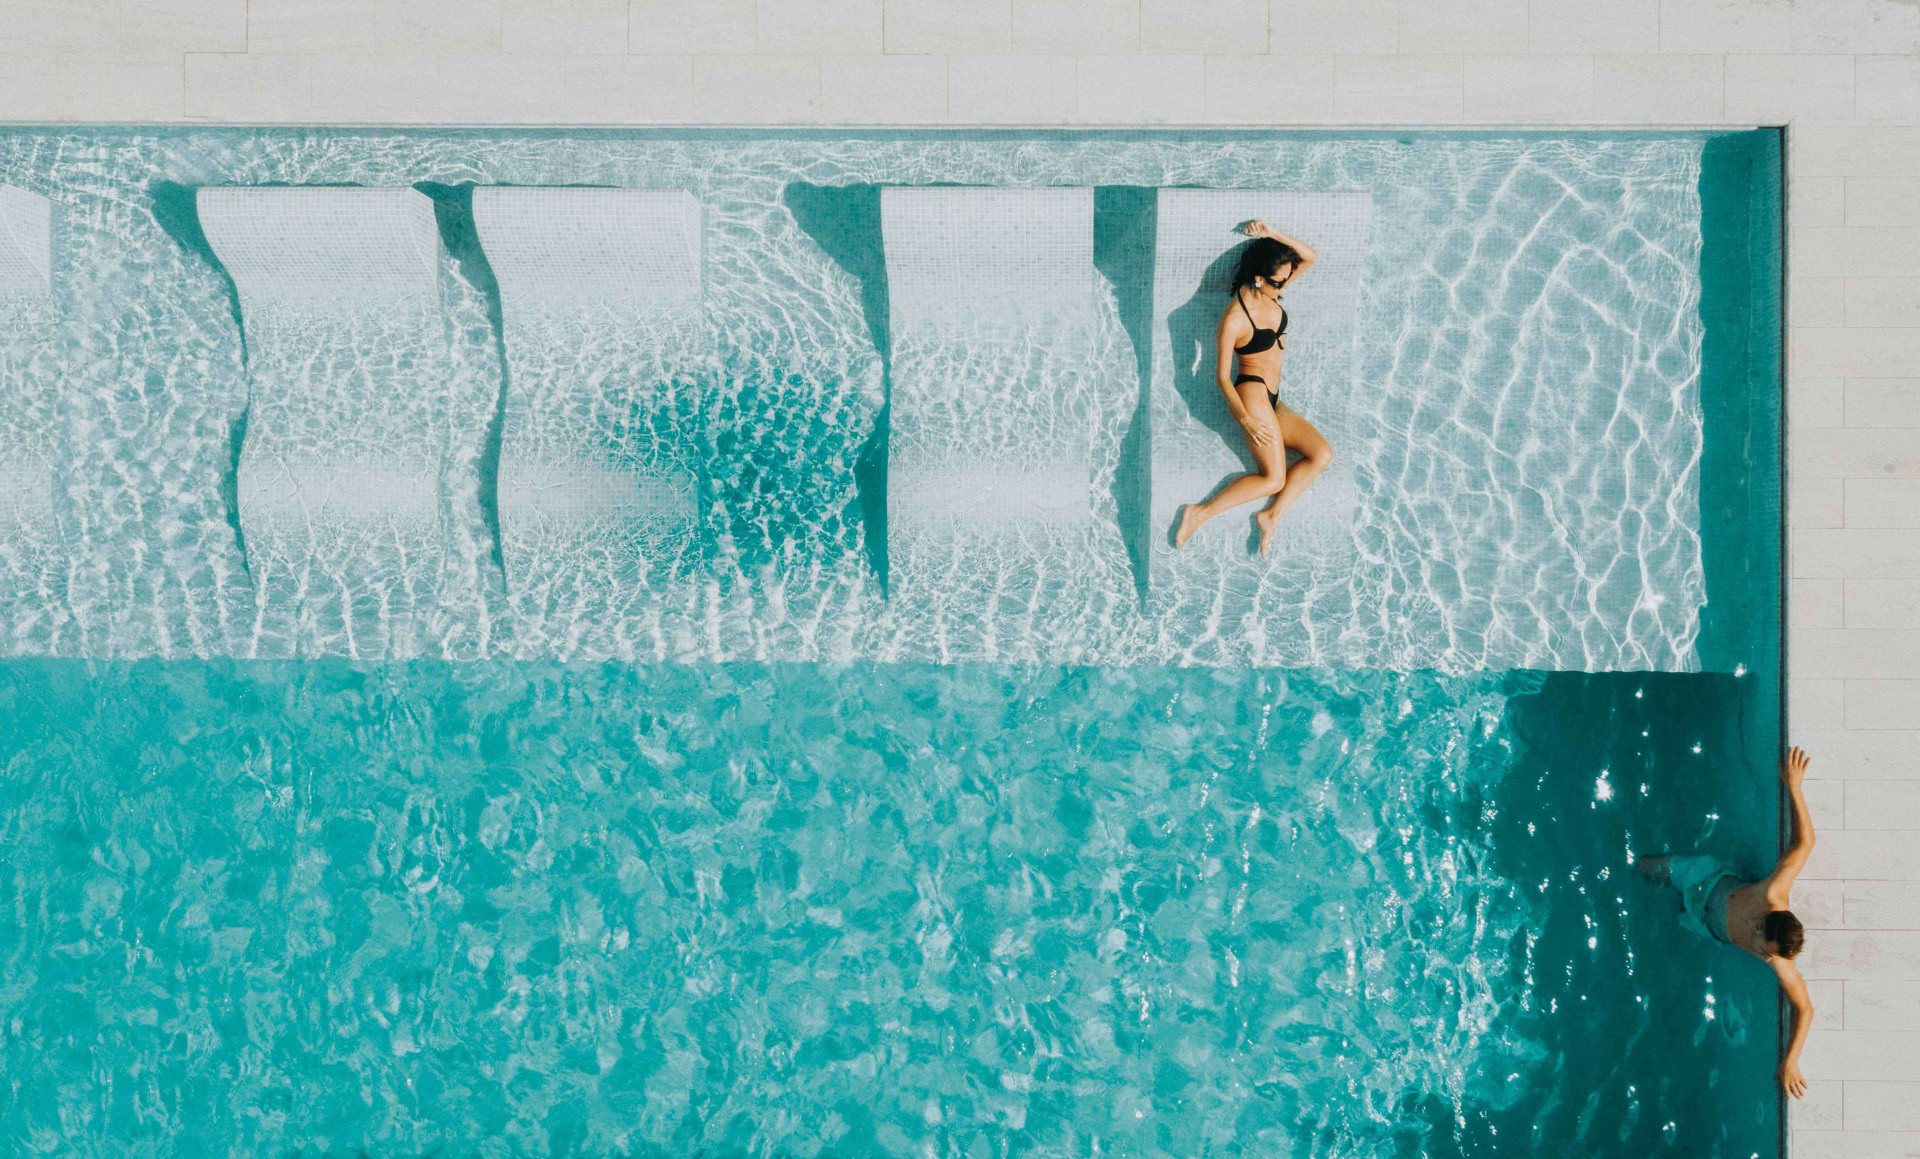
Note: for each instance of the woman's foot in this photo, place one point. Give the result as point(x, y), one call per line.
point(1190, 521)
point(1267, 520)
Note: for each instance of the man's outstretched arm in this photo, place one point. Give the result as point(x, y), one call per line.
point(1796, 991)
point(1780, 881)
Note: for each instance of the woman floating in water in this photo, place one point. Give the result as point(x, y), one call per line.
point(1254, 329)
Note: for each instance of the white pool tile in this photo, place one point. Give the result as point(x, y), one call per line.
point(1882, 503)
point(237, 86)
point(1882, 805)
point(1883, 605)
point(1463, 26)
point(1404, 89)
point(1771, 89)
point(46, 26)
point(1613, 26)
point(1817, 201)
point(1864, 755)
point(1883, 402)
point(1889, 88)
point(1862, 1054)
point(978, 26)
point(1815, 603)
point(1883, 302)
point(1655, 89)
point(1858, 251)
point(1282, 90)
point(1342, 26)
point(1818, 300)
point(116, 87)
point(153, 26)
point(756, 89)
point(1816, 402)
point(1858, 26)
point(1883, 1006)
point(1884, 1106)
point(620, 90)
point(285, 26)
point(1883, 201)
point(1821, 1109)
point(1528, 88)
point(1226, 27)
point(503, 90)
point(1882, 905)
point(1002, 90)
point(1853, 454)
point(1818, 704)
point(1857, 651)
point(552, 27)
point(1820, 905)
point(1884, 704)
point(675, 27)
point(1862, 955)
point(884, 89)
point(1852, 1145)
point(1857, 552)
point(438, 26)
point(29, 86)
point(1078, 26)
point(1857, 351)
point(1724, 26)
point(1141, 90)
point(1854, 151)
point(843, 27)
point(362, 89)
point(1818, 503)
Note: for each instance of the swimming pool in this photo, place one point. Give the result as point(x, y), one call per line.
point(817, 749)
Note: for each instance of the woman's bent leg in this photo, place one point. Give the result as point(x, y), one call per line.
point(1317, 453)
point(1271, 477)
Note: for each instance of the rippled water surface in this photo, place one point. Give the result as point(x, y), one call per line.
point(468, 724)
point(1517, 405)
point(792, 910)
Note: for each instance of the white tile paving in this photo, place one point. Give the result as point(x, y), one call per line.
point(1844, 74)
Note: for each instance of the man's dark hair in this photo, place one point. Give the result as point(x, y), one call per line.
point(1785, 932)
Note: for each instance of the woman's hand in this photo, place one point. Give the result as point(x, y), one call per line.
point(1262, 431)
point(1791, 1079)
point(1255, 228)
point(1795, 770)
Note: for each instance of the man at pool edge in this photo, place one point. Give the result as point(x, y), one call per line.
point(1753, 915)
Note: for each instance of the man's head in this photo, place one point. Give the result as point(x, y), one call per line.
point(1784, 933)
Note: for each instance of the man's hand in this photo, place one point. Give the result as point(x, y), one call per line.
point(1791, 1079)
point(1795, 770)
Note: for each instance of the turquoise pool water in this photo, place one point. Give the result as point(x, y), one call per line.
point(825, 834)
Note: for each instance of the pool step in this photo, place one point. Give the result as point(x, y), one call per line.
point(33, 554)
point(342, 476)
point(1197, 446)
point(605, 338)
point(995, 534)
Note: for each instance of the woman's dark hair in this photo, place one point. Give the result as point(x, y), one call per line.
point(1261, 258)
point(1784, 931)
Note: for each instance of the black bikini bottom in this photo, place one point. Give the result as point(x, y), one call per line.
point(1273, 392)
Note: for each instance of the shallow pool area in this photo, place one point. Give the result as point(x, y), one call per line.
point(667, 643)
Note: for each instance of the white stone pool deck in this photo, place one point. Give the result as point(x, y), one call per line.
point(1844, 75)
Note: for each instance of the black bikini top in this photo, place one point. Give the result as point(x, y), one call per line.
point(1262, 339)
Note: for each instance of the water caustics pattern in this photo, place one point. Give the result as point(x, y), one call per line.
point(1522, 428)
point(606, 351)
point(1002, 540)
point(349, 429)
point(33, 604)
